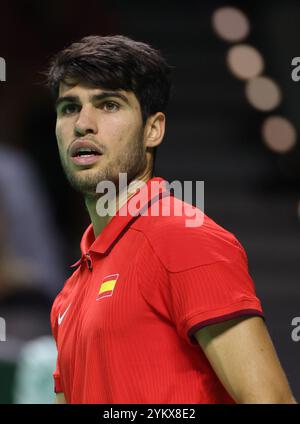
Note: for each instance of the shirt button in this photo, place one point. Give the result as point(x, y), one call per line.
point(89, 261)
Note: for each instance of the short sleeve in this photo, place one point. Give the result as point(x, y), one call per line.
point(212, 293)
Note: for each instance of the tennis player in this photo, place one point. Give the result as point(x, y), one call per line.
point(156, 311)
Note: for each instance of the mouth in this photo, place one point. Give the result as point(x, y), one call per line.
point(84, 152)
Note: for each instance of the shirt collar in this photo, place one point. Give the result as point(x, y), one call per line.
point(119, 224)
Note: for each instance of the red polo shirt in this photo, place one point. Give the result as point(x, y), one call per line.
point(124, 321)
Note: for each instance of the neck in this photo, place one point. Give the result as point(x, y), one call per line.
point(98, 215)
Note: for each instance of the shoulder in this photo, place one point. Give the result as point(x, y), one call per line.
point(181, 244)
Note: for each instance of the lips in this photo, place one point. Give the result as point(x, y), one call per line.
point(82, 148)
point(84, 153)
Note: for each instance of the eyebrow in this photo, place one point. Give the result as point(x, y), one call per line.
point(101, 96)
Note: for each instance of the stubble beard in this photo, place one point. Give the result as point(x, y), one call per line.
point(132, 162)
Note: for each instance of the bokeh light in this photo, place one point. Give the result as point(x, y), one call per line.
point(263, 93)
point(230, 24)
point(279, 134)
point(245, 61)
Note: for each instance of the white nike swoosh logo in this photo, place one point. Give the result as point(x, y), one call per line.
point(61, 317)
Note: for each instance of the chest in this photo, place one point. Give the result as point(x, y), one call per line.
point(105, 301)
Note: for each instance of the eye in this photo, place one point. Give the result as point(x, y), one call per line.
point(69, 108)
point(111, 106)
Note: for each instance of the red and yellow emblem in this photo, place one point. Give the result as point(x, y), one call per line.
point(107, 286)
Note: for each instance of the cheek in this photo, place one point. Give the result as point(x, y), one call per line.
point(57, 132)
point(60, 134)
point(123, 132)
point(114, 136)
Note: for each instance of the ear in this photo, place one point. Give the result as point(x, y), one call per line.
point(154, 129)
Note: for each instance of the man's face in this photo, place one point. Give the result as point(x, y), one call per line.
point(99, 134)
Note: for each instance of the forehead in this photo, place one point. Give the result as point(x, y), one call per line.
point(86, 91)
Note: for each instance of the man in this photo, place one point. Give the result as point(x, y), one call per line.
point(156, 311)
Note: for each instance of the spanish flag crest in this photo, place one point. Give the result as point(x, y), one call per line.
point(107, 286)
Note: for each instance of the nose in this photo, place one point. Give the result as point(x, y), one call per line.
point(86, 122)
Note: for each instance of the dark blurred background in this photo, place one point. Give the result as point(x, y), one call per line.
point(218, 130)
